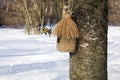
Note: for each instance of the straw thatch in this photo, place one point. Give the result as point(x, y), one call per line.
point(66, 28)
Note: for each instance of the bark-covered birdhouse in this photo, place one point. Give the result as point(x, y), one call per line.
point(66, 31)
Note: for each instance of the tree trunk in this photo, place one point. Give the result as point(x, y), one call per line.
point(89, 61)
point(6, 5)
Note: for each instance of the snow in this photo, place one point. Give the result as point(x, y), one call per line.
point(35, 57)
point(114, 53)
point(31, 57)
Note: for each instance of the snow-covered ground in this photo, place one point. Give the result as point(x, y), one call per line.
point(114, 53)
point(35, 57)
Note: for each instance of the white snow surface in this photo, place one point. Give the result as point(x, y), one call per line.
point(113, 53)
point(31, 57)
point(35, 57)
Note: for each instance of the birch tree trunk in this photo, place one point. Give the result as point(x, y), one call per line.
point(89, 61)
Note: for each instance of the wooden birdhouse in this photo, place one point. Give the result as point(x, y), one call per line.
point(66, 31)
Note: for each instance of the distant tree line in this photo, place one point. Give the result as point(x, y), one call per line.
point(35, 13)
point(9, 14)
point(114, 12)
point(31, 13)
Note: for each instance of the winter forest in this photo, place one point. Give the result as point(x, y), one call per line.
point(59, 39)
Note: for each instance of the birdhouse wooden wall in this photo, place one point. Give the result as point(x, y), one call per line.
point(66, 45)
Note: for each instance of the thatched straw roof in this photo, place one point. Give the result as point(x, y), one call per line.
point(66, 28)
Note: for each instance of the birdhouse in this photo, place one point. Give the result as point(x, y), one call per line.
point(66, 31)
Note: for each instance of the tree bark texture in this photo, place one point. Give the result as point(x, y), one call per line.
point(89, 61)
